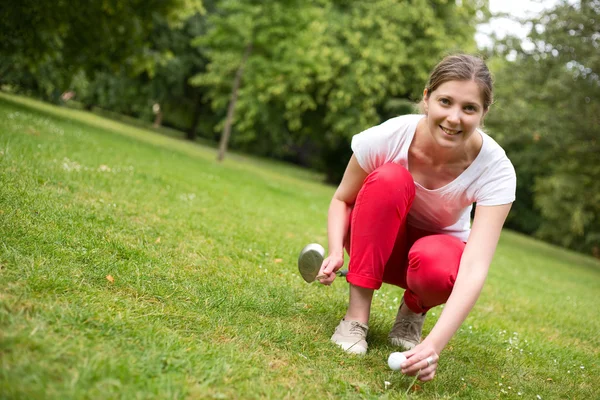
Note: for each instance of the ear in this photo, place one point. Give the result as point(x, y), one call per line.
point(425, 100)
point(485, 113)
point(481, 123)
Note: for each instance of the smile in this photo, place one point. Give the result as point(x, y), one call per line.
point(450, 132)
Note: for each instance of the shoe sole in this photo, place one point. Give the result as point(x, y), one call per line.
point(402, 344)
point(352, 348)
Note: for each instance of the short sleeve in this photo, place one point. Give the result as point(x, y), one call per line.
point(377, 145)
point(499, 186)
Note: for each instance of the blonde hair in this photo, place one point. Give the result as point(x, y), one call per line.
point(462, 67)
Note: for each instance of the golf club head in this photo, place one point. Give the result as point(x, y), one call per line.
point(310, 260)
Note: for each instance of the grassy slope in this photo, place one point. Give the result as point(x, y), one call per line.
point(205, 300)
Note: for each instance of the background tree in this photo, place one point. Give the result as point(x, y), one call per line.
point(547, 118)
point(162, 79)
point(49, 42)
point(322, 71)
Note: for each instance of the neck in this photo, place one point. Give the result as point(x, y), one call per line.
point(440, 155)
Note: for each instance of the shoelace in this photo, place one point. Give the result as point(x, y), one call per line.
point(405, 327)
point(356, 328)
point(409, 328)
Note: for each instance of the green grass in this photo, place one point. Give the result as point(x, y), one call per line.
point(206, 302)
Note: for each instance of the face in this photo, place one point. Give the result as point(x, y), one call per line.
point(454, 110)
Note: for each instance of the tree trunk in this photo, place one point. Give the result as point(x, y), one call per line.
point(191, 133)
point(4, 70)
point(231, 108)
point(158, 120)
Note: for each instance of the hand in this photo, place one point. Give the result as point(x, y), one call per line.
point(416, 362)
point(329, 267)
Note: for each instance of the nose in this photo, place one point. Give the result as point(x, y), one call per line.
point(454, 116)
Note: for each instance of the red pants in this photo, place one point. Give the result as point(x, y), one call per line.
point(383, 248)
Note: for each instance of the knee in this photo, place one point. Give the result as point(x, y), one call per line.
point(393, 178)
point(430, 269)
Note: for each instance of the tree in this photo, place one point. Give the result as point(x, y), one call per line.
point(40, 36)
point(163, 79)
point(548, 108)
point(321, 71)
point(231, 108)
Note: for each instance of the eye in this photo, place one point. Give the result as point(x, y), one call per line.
point(444, 101)
point(471, 109)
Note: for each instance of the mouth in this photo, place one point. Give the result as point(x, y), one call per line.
point(450, 132)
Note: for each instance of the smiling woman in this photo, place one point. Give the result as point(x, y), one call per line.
point(402, 211)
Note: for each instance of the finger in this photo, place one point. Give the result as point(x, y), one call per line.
point(408, 354)
point(329, 267)
point(413, 357)
point(425, 377)
point(324, 265)
point(415, 352)
point(421, 372)
point(419, 363)
point(428, 362)
point(326, 279)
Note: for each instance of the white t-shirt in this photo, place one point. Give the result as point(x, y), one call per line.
point(490, 180)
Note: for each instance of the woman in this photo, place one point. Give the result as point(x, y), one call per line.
point(402, 211)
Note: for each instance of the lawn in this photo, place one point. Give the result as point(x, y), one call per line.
point(134, 266)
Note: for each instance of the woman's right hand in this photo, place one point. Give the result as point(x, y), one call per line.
point(329, 267)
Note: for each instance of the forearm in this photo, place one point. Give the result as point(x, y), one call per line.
point(337, 226)
point(465, 293)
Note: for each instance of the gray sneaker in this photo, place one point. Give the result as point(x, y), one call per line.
point(406, 332)
point(351, 336)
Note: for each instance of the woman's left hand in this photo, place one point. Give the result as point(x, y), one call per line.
point(422, 360)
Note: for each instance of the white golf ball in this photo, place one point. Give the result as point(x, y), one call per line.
point(395, 360)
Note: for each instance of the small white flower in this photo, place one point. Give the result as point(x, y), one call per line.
point(519, 393)
point(538, 396)
point(582, 367)
point(386, 384)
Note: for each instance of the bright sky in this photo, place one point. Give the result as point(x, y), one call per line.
point(518, 8)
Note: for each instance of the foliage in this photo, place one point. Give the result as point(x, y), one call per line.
point(37, 36)
point(323, 70)
point(548, 110)
point(164, 79)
